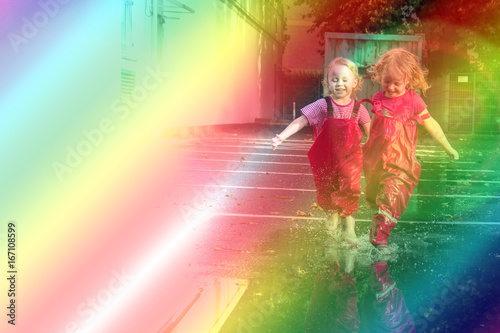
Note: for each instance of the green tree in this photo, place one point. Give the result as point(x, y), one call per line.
point(460, 35)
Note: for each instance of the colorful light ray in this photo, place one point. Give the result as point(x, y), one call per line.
point(53, 96)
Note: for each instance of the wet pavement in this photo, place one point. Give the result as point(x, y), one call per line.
point(255, 218)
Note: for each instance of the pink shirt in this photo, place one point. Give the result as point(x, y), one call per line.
point(316, 112)
point(403, 107)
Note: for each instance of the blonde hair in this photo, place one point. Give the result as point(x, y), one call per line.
point(404, 63)
point(354, 69)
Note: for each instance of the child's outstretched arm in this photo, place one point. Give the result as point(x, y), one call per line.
point(432, 126)
point(291, 129)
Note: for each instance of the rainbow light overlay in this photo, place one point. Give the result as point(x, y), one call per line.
point(87, 181)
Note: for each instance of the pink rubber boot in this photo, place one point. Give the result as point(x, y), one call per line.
point(380, 231)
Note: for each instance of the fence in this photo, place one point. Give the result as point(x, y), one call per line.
point(466, 103)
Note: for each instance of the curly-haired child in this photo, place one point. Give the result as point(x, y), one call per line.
point(389, 162)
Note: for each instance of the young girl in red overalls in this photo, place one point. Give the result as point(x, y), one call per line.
point(335, 156)
point(389, 162)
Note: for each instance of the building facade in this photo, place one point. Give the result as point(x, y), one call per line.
point(222, 59)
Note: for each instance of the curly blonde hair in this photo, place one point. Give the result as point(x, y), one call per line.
point(354, 69)
point(401, 62)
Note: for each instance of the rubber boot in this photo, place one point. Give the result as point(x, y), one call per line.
point(381, 229)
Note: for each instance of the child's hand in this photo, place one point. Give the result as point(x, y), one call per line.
point(453, 154)
point(276, 141)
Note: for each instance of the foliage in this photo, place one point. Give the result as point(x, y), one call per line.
point(460, 34)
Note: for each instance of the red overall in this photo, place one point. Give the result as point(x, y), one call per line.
point(391, 169)
point(336, 163)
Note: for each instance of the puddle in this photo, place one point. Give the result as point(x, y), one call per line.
point(428, 284)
